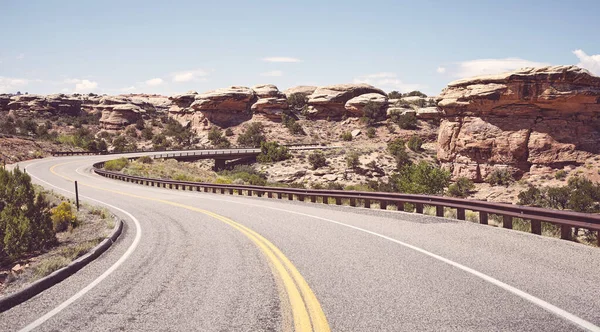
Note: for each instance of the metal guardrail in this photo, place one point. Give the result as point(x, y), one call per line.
point(567, 220)
point(98, 153)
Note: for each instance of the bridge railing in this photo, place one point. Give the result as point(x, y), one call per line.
point(97, 153)
point(566, 220)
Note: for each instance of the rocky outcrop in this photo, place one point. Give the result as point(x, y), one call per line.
point(116, 115)
point(330, 101)
point(53, 104)
point(225, 107)
point(271, 102)
point(355, 105)
point(305, 90)
point(526, 119)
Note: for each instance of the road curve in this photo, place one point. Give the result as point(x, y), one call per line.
point(209, 262)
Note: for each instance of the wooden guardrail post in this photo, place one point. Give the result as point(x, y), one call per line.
point(313, 198)
point(483, 218)
point(269, 194)
point(460, 213)
point(439, 210)
point(338, 201)
point(507, 222)
point(565, 232)
point(400, 206)
point(352, 201)
point(419, 208)
point(383, 204)
point(325, 199)
point(367, 203)
point(536, 227)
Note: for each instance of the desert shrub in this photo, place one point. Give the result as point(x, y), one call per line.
point(252, 135)
point(531, 196)
point(373, 113)
point(25, 223)
point(346, 136)
point(116, 164)
point(291, 124)
point(131, 132)
point(245, 173)
point(415, 93)
point(297, 101)
point(394, 95)
point(397, 148)
point(7, 126)
point(228, 132)
point(415, 143)
point(560, 175)
point(216, 138)
point(272, 152)
point(63, 217)
point(335, 186)
point(371, 132)
point(179, 133)
point(500, 177)
point(140, 124)
point(119, 144)
point(160, 142)
point(405, 121)
point(147, 133)
point(145, 160)
point(461, 188)
point(352, 160)
point(317, 159)
point(421, 178)
point(557, 197)
point(585, 195)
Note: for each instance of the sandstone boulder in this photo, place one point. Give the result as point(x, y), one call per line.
point(305, 90)
point(356, 104)
point(271, 107)
point(117, 116)
point(225, 107)
point(330, 101)
point(529, 118)
point(267, 91)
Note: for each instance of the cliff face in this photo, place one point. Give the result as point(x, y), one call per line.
point(524, 120)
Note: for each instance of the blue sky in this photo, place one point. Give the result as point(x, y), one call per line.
point(170, 47)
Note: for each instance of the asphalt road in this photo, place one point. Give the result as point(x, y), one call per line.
point(190, 261)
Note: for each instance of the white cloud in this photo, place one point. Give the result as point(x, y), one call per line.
point(190, 75)
point(273, 73)
point(154, 81)
point(128, 89)
point(492, 66)
point(281, 59)
point(9, 85)
point(388, 81)
point(589, 62)
point(441, 70)
point(82, 85)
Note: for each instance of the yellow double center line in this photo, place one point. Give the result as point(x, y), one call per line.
point(306, 309)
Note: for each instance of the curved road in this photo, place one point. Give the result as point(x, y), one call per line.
point(207, 262)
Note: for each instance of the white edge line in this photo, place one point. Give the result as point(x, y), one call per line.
point(535, 300)
point(100, 278)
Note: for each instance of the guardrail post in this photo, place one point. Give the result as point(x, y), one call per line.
point(460, 213)
point(338, 201)
point(198, 188)
point(367, 203)
point(383, 205)
point(270, 194)
point(507, 222)
point(536, 227)
point(278, 195)
point(313, 199)
point(439, 211)
point(259, 193)
point(301, 198)
point(565, 232)
point(419, 208)
point(77, 195)
point(400, 206)
point(483, 218)
point(291, 197)
point(249, 192)
point(240, 192)
point(352, 201)
point(213, 190)
point(222, 190)
point(325, 199)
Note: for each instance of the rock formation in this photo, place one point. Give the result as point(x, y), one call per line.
point(526, 120)
point(116, 114)
point(305, 90)
point(330, 101)
point(356, 104)
point(225, 107)
point(271, 102)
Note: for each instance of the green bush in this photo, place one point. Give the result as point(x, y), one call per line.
point(216, 138)
point(297, 101)
point(25, 223)
point(116, 164)
point(352, 160)
point(145, 160)
point(405, 121)
point(63, 217)
point(131, 132)
point(252, 135)
point(415, 143)
point(119, 144)
point(461, 188)
point(415, 93)
point(245, 173)
point(272, 152)
point(371, 132)
point(421, 178)
point(140, 124)
point(179, 133)
point(531, 196)
point(580, 194)
point(228, 132)
point(346, 136)
point(147, 133)
point(500, 177)
point(317, 159)
point(561, 174)
point(397, 148)
point(394, 95)
point(373, 113)
point(160, 142)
